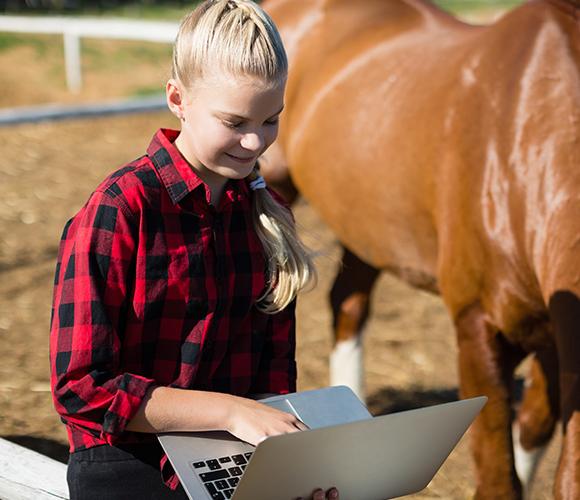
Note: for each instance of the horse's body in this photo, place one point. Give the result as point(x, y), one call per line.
point(449, 155)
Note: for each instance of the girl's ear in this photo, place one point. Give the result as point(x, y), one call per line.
point(175, 98)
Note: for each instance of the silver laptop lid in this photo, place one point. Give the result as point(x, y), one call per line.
point(384, 457)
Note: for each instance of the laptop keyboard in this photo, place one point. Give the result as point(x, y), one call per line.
point(221, 475)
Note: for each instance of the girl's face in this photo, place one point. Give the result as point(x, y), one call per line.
point(227, 123)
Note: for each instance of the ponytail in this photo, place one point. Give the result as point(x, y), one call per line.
point(290, 267)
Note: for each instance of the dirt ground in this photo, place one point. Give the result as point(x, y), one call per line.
point(48, 170)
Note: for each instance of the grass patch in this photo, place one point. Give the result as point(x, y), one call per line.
point(40, 43)
point(111, 55)
point(462, 6)
point(142, 12)
point(148, 91)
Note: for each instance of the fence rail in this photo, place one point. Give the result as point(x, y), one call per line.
point(52, 112)
point(73, 29)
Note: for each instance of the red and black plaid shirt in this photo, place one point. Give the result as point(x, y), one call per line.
point(154, 286)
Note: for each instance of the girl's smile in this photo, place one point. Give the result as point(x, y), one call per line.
point(251, 159)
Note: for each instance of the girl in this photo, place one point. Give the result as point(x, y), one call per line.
point(175, 284)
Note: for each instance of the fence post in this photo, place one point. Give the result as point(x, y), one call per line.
point(72, 56)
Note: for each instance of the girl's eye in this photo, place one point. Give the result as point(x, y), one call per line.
point(239, 124)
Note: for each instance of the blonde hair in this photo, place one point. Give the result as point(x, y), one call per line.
point(235, 36)
point(239, 38)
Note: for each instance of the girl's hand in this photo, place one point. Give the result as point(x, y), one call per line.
point(319, 494)
point(253, 422)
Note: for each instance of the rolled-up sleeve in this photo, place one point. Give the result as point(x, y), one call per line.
point(277, 368)
point(93, 273)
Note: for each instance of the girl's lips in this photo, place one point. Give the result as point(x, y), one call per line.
point(242, 160)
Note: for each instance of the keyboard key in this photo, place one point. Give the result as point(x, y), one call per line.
point(213, 464)
point(248, 455)
point(239, 460)
point(215, 494)
point(225, 460)
point(243, 467)
point(234, 481)
point(198, 465)
point(216, 474)
point(222, 485)
point(228, 493)
point(234, 471)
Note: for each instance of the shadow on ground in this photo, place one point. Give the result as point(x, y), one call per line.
point(389, 400)
point(48, 447)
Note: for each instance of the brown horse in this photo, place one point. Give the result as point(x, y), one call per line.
point(449, 155)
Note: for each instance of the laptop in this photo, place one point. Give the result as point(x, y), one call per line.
point(365, 457)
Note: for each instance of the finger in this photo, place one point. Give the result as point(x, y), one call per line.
point(298, 423)
point(332, 494)
point(301, 425)
point(290, 426)
point(318, 494)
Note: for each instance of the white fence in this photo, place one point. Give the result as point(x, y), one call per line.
point(73, 29)
point(27, 475)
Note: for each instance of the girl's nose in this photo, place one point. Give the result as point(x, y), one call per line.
point(252, 142)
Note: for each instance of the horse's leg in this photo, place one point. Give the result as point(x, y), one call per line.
point(564, 309)
point(349, 298)
point(486, 365)
point(537, 415)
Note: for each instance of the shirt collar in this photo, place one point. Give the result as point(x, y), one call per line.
point(178, 176)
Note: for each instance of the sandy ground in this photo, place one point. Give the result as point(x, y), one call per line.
point(48, 170)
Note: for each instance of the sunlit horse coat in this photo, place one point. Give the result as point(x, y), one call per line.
point(449, 155)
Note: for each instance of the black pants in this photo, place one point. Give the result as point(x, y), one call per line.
point(124, 473)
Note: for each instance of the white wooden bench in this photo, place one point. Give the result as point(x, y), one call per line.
point(28, 475)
